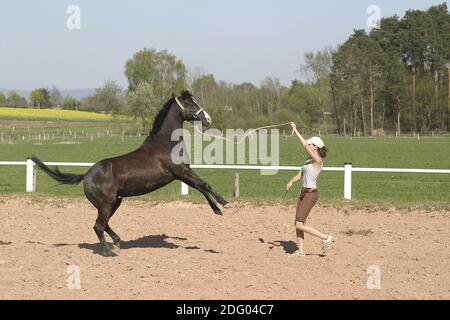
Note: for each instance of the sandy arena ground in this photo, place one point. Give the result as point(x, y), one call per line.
point(183, 251)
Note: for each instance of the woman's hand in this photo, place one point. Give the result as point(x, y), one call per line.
point(289, 185)
point(296, 178)
point(294, 127)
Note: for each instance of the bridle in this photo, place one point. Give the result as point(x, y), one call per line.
point(183, 108)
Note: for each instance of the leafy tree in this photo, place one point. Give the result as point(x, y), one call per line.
point(162, 70)
point(56, 98)
point(3, 100)
point(15, 100)
point(142, 104)
point(205, 88)
point(90, 103)
point(40, 98)
point(302, 101)
point(70, 103)
point(248, 97)
point(271, 93)
point(317, 67)
point(37, 98)
point(110, 98)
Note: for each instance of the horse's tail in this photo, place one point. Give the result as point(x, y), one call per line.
point(64, 178)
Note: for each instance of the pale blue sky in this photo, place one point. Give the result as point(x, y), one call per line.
point(235, 40)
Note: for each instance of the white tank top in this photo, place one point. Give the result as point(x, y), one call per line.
point(310, 174)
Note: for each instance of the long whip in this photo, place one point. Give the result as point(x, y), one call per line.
point(243, 138)
point(282, 202)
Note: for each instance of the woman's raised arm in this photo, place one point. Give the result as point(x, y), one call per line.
point(312, 153)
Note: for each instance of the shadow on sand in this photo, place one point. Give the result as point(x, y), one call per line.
point(150, 241)
point(289, 247)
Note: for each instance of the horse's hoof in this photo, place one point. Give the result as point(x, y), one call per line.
point(218, 212)
point(229, 205)
point(116, 245)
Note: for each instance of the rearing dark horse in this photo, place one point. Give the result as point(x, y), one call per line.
point(144, 170)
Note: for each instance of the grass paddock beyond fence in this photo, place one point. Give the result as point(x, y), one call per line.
point(92, 144)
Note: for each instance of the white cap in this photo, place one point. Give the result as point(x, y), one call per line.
point(316, 141)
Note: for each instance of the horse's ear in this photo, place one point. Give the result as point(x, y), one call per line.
point(173, 95)
point(186, 94)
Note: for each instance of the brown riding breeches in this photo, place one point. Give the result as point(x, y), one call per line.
point(305, 203)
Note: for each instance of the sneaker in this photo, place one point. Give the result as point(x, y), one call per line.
point(325, 245)
point(297, 253)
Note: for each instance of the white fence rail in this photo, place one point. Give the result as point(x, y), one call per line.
point(30, 181)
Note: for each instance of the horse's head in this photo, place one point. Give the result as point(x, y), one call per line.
point(191, 110)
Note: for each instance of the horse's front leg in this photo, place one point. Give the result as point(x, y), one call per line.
point(205, 186)
point(196, 185)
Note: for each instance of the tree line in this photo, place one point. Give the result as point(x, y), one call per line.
point(395, 78)
point(39, 98)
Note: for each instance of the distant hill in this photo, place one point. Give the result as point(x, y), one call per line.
point(77, 93)
point(22, 93)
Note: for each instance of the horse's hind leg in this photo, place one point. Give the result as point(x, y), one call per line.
point(101, 225)
point(99, 228)
point(114, 236)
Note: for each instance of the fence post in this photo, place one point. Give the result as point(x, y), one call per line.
point(30, 185)
point(348, 181)
point(237, 192)
point(184, 189)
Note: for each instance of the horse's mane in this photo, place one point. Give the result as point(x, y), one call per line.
point(159, 118)
point(162, 114)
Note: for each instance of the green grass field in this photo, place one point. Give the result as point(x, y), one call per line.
point(93, 144)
